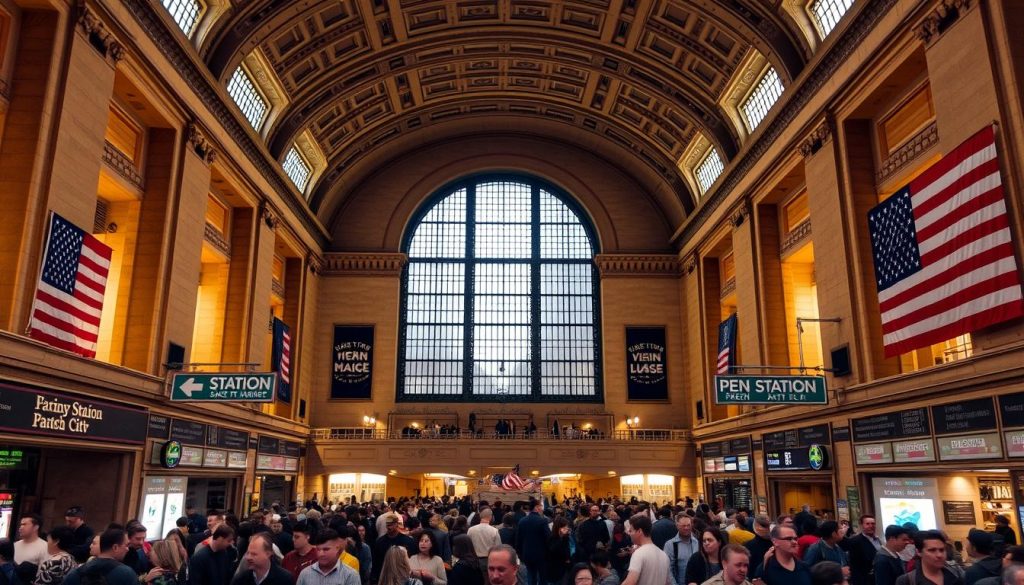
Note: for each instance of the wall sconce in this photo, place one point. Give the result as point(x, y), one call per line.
point(633, 422)
point(369, 421)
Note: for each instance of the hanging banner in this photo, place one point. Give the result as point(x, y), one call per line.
point(352, 361)
point(646, 367)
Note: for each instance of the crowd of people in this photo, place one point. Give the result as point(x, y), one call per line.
point(458, 541)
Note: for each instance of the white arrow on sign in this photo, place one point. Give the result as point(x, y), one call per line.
point(189, 386)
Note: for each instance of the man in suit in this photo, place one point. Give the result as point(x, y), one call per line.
point(531, 539)
point(862, 549)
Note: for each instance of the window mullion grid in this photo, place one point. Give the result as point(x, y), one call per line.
point(469, 322)
point(595, 275)
point(535, 286)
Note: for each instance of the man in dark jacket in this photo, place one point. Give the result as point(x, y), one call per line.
point(931, 567)
point(107, 566)
point(983, 563)
point(862, 549)
point(888, 565)
point(212, 565)
point(760, 544)
point(592, 532)
point(74, 517)
point(260, 565)
point(391, 537)
point(531, 537)
point(664, 529)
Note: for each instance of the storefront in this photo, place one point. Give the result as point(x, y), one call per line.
point(277, 464)
point(728, 470)
point(372, 487)
point(53, 442)
point(191, 465)
point(798, 466)
point(944, 466)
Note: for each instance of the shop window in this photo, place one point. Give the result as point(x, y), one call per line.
point(827, 13)
point(708, 170)
point(767, 91)
point(906, 120)
point(297, 169)
point(247, 97)
point(186, 13)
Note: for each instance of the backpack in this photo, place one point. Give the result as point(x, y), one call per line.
point(8, 575)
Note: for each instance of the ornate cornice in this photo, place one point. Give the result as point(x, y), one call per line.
point(617, 265)
point(690, 263)
point(817, 138)
point(90, 25)
point(739, 214)
point(216, 239)
point(199, 144)
point(269, 216)
point(364, 264)
point(938, 20)
point(921, 143)
point(833, 59)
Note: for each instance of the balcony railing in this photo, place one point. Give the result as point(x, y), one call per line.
point(360, 433)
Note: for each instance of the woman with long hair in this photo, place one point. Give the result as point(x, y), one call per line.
point(708, 563)
point(426, 565)
point(557, 553)
point(395, 568)
point(467, 569)
point(363, 553)
point(168, 564)
point(60, 562)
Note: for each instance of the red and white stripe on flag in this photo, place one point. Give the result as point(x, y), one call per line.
point(723, 361)
point(69, 296)
point(286, 357)
point(952, 269)
point(512, 481)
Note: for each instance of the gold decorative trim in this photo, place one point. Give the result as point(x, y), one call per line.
point(921, 143)
point(817, 138)
point(938, 20)
point(90, 25)
point(199, 144)
point(615, 265)
point(369, 264)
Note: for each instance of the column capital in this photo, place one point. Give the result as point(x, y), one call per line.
point(818, 137)
point(199, 144)
point(939, 19)
point(739, 214)
point(364, 264)
point(315, 263)
point(95, 31)
point(617, 265)
point(690, 263)
point(269, 216)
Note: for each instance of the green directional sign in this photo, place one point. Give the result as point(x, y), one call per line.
point(223, 387)
point(770, 390)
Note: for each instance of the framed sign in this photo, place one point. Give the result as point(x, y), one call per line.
point(646, 367)
point(352, 361)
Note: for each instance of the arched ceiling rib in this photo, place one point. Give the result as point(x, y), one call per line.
point(646, 73)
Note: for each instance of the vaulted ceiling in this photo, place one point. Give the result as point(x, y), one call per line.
point(641, 77)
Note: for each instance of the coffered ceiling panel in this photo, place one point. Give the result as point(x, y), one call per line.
point(647, 75)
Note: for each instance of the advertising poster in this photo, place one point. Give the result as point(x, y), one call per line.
point(152, 513)
point(6, 513)
point(174, 508)
point(901, 500)
point(646, 367)
point(352, 361)
point(853, 500)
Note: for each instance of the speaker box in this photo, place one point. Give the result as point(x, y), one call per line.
point(302, 408)
point(175, 356)
point(841, 361)
point(700, 410)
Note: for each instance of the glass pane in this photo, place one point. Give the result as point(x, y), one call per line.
point(248, 99)
point(764, 96)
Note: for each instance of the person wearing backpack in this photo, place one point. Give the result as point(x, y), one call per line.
point(106, 568)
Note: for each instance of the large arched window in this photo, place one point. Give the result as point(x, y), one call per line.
point(500, 298)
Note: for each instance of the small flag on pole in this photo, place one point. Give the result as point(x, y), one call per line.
point(69, 297)
point(727, 345)
point(943, 253)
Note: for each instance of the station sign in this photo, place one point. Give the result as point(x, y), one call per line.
point(240, 387)
point(770, 390)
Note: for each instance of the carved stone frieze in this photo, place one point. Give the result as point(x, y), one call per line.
point(365, 264)
point(93, 28)
point(269, 216)
point(199, 144)
point(740, 214)
point(939, 19)
point(614, 265)
point(315, 263)
point(921, 143)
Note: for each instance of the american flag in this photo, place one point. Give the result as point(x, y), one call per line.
point(69, 299)
point(726, 345)
point(282, 359)
point(943, 255)
point(512, 481)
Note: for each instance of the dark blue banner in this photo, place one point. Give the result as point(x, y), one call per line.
point(281, 360)
point(352, 361)
point(646, 363)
